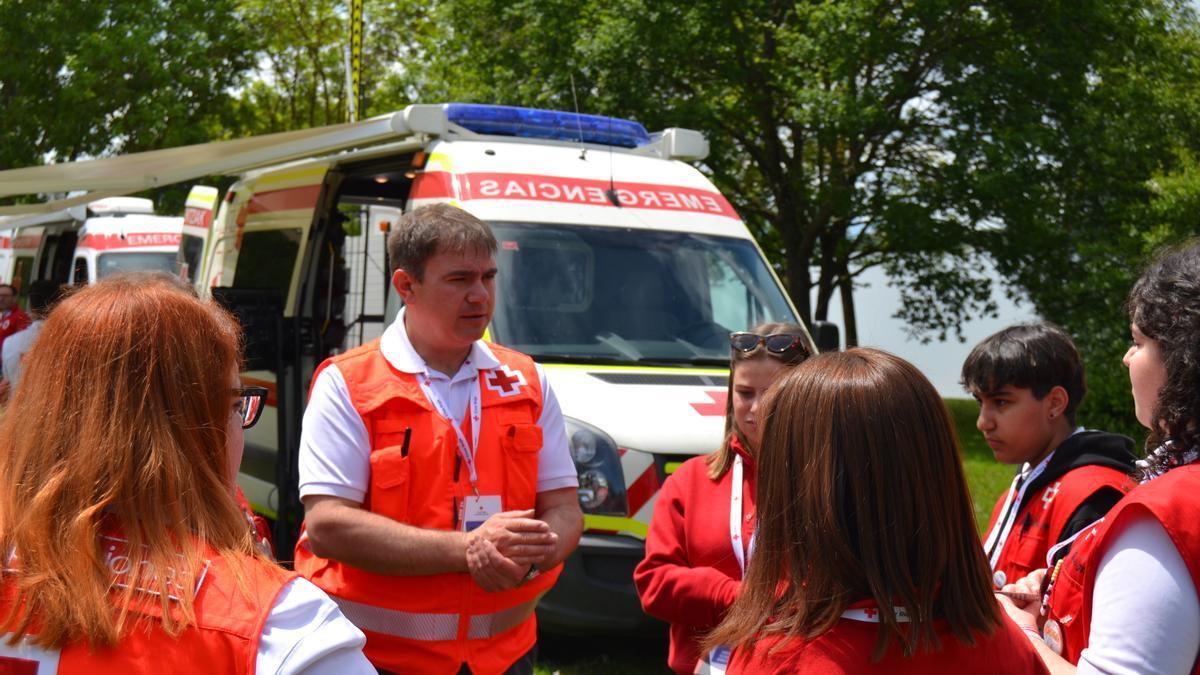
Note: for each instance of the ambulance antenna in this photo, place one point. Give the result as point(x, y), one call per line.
point(611, 192)
point(578, 123)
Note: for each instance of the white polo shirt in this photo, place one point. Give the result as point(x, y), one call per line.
point(335, 449)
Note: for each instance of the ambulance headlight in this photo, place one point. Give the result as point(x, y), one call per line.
point(598, 464)
point(583, 446)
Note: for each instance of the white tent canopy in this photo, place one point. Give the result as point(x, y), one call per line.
point(126, 174)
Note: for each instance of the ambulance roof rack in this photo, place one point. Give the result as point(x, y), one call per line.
point(506, 120)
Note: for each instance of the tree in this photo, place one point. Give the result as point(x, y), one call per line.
point(301, 78)
point(922, 136)
point(83, 79)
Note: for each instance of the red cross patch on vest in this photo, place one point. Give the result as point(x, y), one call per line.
point(1051, 494)
point(504, 381)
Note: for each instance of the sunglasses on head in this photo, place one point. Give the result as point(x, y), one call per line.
point(251, 401)
point(776, 343)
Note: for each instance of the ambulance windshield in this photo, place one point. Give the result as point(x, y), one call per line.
point(619, 295)
point(139, 261)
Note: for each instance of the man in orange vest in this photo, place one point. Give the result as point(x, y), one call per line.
point(440, 498)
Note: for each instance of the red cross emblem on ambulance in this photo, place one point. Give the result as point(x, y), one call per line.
point(504, 381)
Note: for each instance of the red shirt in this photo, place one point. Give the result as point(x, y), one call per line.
point(848, 646)
point(12, 322)
point(690, 575)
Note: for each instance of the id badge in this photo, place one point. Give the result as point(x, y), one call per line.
point(476, 510)
point(715, 662)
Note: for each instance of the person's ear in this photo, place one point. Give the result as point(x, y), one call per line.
point(1056, 402)
point(403, 282)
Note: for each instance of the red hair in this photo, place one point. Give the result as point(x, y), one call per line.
point(118, 424)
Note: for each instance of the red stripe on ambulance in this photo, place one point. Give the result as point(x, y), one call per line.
point(641, 490)
point(304, 197)
point(564, 190)
point(432, 185)
point(108, 242)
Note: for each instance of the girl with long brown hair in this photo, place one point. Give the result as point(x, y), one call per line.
point(126, 550)
point(866, 555)
point(700, 535)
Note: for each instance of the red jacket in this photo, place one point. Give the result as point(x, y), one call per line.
point(848, 646)
point(1173, 500)
point(690, 575)
point(13, 322)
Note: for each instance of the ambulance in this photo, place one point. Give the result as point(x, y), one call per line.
point(85, 243)
point(622, 271)
point(122, 234)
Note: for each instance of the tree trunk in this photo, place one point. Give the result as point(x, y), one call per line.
point(850, 329)
point(799, 284)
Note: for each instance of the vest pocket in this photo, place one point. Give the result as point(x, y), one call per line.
point(521, 444)
point(389, 482)
point(1030, 551)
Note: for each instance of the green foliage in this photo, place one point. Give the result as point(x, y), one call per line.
point(87, 78)
point(935, 138)
point(301, 80)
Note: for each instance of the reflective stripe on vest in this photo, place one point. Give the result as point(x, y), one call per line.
point(432, 627)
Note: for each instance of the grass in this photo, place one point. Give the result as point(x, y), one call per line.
point(986, 477)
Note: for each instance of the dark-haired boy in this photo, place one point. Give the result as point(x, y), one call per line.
point(1029, 381)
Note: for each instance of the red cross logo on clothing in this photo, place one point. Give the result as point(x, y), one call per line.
point(870, 612)
point(504, 381)
point(1051, 493)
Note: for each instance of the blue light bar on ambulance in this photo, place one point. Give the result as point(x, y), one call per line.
point(532, 123)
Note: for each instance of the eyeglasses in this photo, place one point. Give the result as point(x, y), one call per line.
point(251, 401)
point(776, 343)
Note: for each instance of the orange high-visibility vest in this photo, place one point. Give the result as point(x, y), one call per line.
point(435, 623)
point(224, 639)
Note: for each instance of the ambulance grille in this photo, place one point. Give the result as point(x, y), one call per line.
point(663, 379)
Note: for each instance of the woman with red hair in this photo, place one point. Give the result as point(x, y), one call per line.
point(127, 551)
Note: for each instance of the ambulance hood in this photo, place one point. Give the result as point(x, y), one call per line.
point(660, 410)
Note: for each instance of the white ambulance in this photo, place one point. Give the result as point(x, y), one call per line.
point(122, 234)
point(622, 270)
point(84, 243)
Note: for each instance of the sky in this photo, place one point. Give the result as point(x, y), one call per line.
point(876, 302)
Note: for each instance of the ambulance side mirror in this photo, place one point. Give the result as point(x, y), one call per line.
point(827, 336)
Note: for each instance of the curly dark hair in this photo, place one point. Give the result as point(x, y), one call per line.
point(1165, 305)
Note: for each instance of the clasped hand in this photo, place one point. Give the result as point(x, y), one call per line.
point(1026, 614)
point(500, 551)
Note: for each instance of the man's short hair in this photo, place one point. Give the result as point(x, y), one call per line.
point(1037, 356)
point(439, 228)
point(42, 295)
